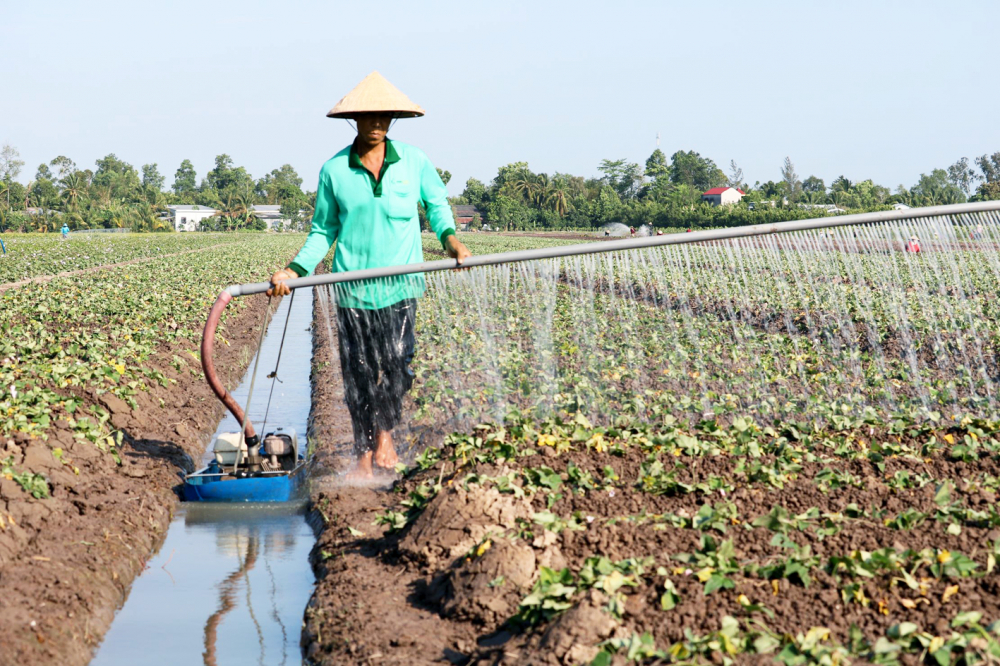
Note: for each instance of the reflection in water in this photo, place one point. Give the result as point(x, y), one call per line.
point(238, 579)
point(227, 590)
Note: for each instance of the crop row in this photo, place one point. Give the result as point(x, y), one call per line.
point(652, 332)
point(800, 570)
point(35, 255)
point(488, 243)
point(68, 341)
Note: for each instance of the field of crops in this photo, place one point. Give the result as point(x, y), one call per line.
point(732, 453)
point(78, 337)
point(35, 255)
point(102, 402)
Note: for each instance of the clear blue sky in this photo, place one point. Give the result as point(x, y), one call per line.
point(882, 90)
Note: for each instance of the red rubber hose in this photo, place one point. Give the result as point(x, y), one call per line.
point(207, 346)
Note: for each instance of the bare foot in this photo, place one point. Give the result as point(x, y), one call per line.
point(363, 468)
point(385, 452)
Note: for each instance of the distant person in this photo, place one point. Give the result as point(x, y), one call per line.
point(913, 245)
point(631, 231)
point(607, 233)
point(65, 231)
point(688, 231)
point(366, 202)
point(978, 233)
point(659, 232)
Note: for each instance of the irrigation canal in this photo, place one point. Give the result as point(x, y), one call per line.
point(231, 582)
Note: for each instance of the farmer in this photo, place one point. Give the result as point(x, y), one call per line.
point(366, 201)
point(913, 245)
point(65, 231)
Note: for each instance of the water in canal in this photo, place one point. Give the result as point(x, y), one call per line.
point(231, 582)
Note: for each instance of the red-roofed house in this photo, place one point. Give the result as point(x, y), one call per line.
point(464, 216)
point(720, 196)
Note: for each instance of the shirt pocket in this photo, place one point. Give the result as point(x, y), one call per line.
point(401, 201)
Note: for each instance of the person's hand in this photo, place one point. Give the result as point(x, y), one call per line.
point(278, 280)
point(456, 249)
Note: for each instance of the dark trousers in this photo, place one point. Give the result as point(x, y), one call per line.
point(376, 347)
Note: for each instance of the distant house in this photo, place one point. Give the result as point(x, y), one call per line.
point(40, 211)
point(271, 215)
point(833, 209)
point(464, 215)
point(900, 206)
point(187, 217)
point(721, 196)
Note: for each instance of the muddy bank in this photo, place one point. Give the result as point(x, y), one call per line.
point(364, 605)
point(66, 562)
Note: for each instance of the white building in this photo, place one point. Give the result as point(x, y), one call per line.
point(187, 217)
point(271, 216)
point(721, 196)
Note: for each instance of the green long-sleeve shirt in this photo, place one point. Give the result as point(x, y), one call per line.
point(374, 222)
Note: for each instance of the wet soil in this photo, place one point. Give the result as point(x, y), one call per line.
point(445, 588)
point(366, 607)
point(66, 562)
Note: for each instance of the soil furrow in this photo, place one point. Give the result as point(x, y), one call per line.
point(67, 562)
point(366, 604)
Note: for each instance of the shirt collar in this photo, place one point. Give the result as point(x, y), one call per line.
point(354, 160)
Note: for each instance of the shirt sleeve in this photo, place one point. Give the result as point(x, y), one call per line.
point(324, 230)
point(435, 199)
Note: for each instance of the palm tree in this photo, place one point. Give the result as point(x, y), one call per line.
point(540, 192)
point(73, 187)
point(102, 195)
point(557, 197)
point(841, 185)
point(527, 186)
point(246, 201)
point(115, 214)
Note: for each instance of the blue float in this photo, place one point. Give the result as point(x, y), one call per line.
point(254, 470)
point(211, 484)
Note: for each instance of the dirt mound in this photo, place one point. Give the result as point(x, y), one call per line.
point(570, 639)
point(487, 589)
point(458, 519)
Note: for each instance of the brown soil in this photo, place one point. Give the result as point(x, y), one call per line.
point(66, 562)
point(442, 589)
point(366, 607)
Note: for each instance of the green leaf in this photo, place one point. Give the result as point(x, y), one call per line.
point(942, 496)
point(718, 582)
point(670, 598)
point(967, 617)
point(902, 630)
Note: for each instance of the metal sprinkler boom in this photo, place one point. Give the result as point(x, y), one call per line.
point(619, 245)
point(235, 291)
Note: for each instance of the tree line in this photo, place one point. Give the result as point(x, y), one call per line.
point(117, 195)
point(667, 193)
point(659, 193)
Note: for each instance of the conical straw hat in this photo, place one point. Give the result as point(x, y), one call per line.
point(373, 95)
